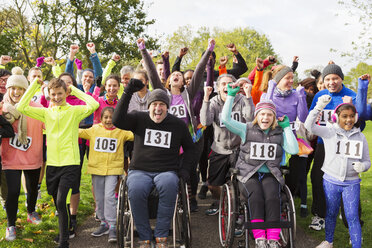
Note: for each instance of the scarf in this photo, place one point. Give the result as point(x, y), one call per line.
point(282, 93)
point(12, 114)
point(109, 101)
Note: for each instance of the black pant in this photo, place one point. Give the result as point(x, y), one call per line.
point(59, 181)
point(296, 180)
point(203, 162)
point(263, 195)
point(319, 203)
point(194, 179)
point(13, 178)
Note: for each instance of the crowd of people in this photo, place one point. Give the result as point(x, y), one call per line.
point(156, 124)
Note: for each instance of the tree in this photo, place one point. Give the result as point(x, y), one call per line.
point(351, 78)
point(362, 45)
point(249, 43)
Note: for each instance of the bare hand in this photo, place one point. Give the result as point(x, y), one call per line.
point(183, 52)
point(166, 54)
point(271, 59)
point(207, 92)
point(232, 48)
point(295, 59)
point(86, 87)
point(366, 77)
point(331, 62)
point(5, 59)
point(91, 47)
point(259, 63)
point(247, 87)
point(50, 61)
point(223, 61)
point(74, 49)
point(115, 57)
point(281, 118)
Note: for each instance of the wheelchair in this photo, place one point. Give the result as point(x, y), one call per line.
point(231, 207)
point(181, 228)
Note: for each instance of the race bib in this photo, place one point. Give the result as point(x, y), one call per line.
point(178, 110)
point(349, 148)
point(235, 115)
point(103, 144)
point(294, 125)
point(263, 151)
point(14, 142)
point(326, 116)
point(157, 138)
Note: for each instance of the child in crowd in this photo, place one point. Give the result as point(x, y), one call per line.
point(260, 178)
point(61, 124)
point(24, 152)
point(346, 155)
point(106, 164)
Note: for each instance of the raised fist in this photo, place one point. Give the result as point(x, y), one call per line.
point(74, 49)
point(223, 61)
point(232, 48)
point(115, 57)
point(91, 47)
point(5, 59)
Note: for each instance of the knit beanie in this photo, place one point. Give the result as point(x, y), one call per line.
point(17, 79)
point(280, 74)
point(243, 79)
point(265, 104)
point(158, 95)
point(332, 69)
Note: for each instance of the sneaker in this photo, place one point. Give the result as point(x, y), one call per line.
point(112, 235)
point(73, 225)
point(144, 244)
point(203, 192)
point(238, 232)
point(213, 209)
point(56, 213)
point(193, 205)
point(33, 218)
point(304, 212)
point(161, 243)
point(101, 230)
point(317, 223)
point(10, 234)
point(325, 244)
point(261, 243)
point(272, 243)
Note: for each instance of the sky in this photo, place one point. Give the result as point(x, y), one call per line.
point(306, 28)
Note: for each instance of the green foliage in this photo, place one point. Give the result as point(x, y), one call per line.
point(351, 78)
point(248, 41)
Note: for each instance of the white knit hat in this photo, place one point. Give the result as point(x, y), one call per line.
point(17, 79)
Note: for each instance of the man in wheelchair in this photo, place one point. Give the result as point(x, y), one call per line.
point(260, 180)
point(158, 137)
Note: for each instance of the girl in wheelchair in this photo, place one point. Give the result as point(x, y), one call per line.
point(260, 180)
point(346, 155)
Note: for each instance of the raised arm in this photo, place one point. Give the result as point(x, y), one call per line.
point(310, 124)
point(302, 110)
point(56, 69)
point(206, 115)
point(361, 98)
point(74, 49)
point(110, 65)
point(241, 66)
point(97, 67)
point(166, 66)
point(177, 64)
point(91, 104)
point(234, 126)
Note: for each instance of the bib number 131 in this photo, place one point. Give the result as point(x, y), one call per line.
point(263, 151)
point(157, 138)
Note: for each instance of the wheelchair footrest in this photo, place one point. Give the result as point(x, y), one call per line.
point(266, 225)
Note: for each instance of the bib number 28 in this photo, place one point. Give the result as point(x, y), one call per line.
point(157, 138)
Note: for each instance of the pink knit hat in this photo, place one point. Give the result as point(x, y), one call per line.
point(265, 104)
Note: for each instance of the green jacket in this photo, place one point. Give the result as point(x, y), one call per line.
point(61, 125)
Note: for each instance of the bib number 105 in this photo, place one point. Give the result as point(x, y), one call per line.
point(263, 151)
point(105, 145)
point(157, 138)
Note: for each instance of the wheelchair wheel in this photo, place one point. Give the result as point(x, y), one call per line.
point(227, 215)
point(124, 216)
point(288, 235)
point(183, 225)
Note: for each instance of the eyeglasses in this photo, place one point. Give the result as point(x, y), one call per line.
point(3, 79)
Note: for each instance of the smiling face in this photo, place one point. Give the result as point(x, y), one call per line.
point(158, 110)
point(88, 78)
point(188, 77)
point(265, 118)
point(176, 80)
point(58, 96)
point(286, 82)
point(346, 119)
point(333, 83)
point(67, 79)
point(3, 81)
point(125, 79)
point(34, 73)
point(112, 88)
point(159, 69)
point(320, 84)
point(222, 87)
point(16, 93)
point(106, 119)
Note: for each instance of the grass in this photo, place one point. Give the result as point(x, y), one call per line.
point(42, 235)
point(341, 237)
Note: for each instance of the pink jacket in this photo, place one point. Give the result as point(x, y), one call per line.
point(72, 100)
point(24, 157)
point(103, 103)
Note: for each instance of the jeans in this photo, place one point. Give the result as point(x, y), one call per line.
point(140, 184)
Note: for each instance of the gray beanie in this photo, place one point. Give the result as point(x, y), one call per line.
point(158, 95)
point(332, 69)
point(278, 76)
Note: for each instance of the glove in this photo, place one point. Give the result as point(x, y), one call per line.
point(39, 61)
point(79, 64)
point(98, 80)
point(134, 85)
point(322, 102)
point(284, 123)
point(184, 174)
point(359, 166)
point(231, 91)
